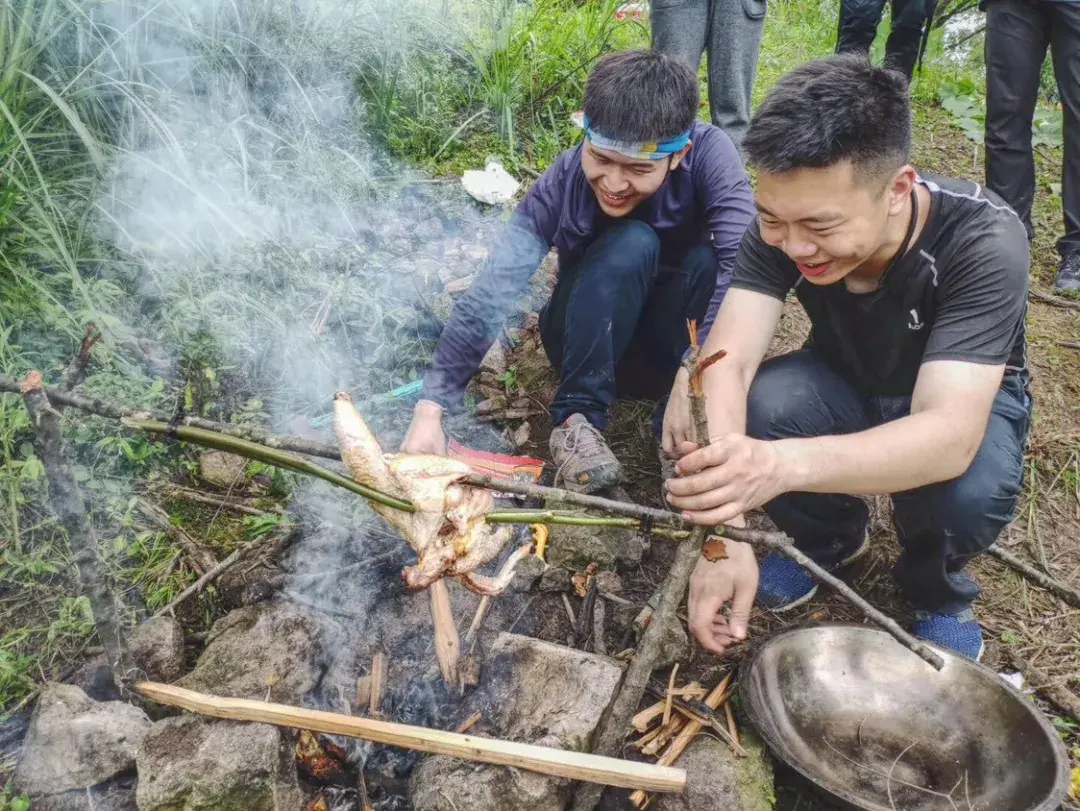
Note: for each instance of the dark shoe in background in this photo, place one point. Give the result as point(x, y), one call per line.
point(1068, 277)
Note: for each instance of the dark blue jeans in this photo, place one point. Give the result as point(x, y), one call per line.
point(616, 326)
point(940, 526)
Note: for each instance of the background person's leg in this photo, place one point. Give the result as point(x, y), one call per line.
point(858, 25)
point(942, 526)
point(648, 369)
point(587, 325)
point(735, 32)
point(1017, 36)
point(902, 48)
point(1065, 48)
point(679, 28)
point(798, 395)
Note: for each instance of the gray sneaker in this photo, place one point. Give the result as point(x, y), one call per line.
point(583, 461)
point(1068, 277)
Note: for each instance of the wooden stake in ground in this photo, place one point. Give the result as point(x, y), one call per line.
point(68, 504)
point(616, 720)
point(542, 759)
point(447, 641)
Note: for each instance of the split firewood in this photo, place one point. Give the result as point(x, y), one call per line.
point(469, 722)
point(692, 728)
point(699, 711)
point(670, 697)
point(647, 717)
point(731, 721)
point(379, 664)
point(667, 731)
point(363, 693)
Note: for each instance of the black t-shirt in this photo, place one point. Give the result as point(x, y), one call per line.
point(958, 293)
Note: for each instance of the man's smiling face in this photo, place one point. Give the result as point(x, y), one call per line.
point(621, 183)
point(826, 220)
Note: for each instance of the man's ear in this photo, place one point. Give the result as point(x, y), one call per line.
point(899, 188)
point(676, 159)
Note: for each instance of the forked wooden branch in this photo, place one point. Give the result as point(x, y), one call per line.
point(617, 719)
point(68, 504)
point(541, 759)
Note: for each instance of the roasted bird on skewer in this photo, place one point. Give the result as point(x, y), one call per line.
point(447, 530)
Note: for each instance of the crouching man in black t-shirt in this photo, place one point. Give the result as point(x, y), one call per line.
point(912, 382)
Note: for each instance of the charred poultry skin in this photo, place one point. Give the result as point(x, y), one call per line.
point(447, 531)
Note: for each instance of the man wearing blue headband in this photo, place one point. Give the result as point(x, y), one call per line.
point(645, 215)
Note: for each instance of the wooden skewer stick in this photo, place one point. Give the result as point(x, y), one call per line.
point(664, 520)
point(540, 759)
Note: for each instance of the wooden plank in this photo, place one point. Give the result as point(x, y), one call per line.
point(556, 762)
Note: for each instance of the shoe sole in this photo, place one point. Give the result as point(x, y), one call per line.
point(854, 556)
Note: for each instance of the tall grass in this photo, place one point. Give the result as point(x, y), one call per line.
point(51, 154)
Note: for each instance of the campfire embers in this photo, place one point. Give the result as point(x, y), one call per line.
point(447, 529)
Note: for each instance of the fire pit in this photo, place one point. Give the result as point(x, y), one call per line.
point(875, 726)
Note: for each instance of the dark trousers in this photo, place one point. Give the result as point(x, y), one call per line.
point(614, 326)
point(858, 26)
point(1017, 36)
point(940, 526)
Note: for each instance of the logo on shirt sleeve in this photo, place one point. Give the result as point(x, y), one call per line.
point(915, 323)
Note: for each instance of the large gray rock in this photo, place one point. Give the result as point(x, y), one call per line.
point(222, 469)
point(577, 547)
point(265, 651)
point(716, 780)
point(157, 648)
point(530, 691)
point(104, 797)
point(74, 742)
point(187, 763)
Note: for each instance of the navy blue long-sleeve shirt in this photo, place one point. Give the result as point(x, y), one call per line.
point(707, 198)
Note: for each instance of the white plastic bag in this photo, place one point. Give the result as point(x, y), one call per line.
point(494, 185)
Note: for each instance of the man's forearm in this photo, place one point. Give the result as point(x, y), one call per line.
point(910, 452)
point(725, 398)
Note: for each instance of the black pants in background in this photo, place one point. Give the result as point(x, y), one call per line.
point(858, 26)
point(616, 325)
point(1018, 33)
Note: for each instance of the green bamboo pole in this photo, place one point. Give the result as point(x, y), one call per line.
point(289, 461)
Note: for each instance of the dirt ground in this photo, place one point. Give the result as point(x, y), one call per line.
point(1037, 626)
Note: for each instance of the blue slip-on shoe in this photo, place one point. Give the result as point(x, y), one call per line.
point(958, 632)
point(783, 584)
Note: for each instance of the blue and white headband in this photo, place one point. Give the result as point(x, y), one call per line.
point(642, 150)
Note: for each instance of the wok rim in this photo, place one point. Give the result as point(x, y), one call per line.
point(1050, 802)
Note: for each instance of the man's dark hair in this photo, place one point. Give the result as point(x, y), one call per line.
point(830, 110)
point(641, 96)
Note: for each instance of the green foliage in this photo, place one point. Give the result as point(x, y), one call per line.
point(10, 802)
point(966, 104)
